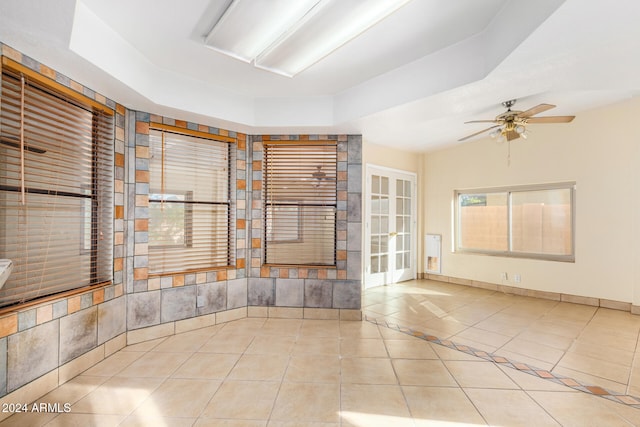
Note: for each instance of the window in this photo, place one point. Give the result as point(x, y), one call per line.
point(56, 187)
point(531, 221)
point(285, 224)
point(173, 224)
point(189, 206)
point(300, 202)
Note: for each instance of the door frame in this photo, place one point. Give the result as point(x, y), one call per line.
point(373, 169)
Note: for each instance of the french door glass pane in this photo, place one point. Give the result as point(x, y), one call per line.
point(384, 224)
point(379, 223)
point(403, 221)
point(384, 263)
point(375, 264)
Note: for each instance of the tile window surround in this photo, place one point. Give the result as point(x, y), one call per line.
point(45, 345)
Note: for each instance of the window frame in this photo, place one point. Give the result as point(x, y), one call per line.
point(189, 203)
point(273, 199)
point(509, 191)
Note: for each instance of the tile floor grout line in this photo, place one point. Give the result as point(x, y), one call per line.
point(527, 328)
point(624, 399)
point(275, 399)
point(204, 408)
point(471, 401)
point(462, 389)
point(575, 340)
point(133, 410)
point(115, 375)
point(395, 373)
point(541, 406)
point(633, 364)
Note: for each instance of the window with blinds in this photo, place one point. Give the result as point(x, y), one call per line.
point(300, 202)
point(56, 189)
point(189, 206)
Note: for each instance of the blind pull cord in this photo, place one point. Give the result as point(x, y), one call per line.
point(22, 189)
point(162, 176)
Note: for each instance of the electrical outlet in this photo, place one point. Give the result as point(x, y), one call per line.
point(200, 301)
point(504, 276)
point(517, 278)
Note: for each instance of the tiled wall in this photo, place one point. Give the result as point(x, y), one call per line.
point(158, 300)
point(40, 339)
point(48, 344)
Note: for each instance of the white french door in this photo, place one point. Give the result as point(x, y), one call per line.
point(390, 226)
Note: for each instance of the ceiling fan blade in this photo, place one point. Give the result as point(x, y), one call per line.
point(536, 110)
point(482, 121)
point(477, 133)
point(550, 119)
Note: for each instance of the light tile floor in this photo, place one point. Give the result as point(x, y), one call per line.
point(592, 345)
point(326, 373)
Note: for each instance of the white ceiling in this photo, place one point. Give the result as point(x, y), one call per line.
point(410, 82)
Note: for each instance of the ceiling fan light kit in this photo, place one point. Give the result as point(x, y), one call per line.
point(512, 124)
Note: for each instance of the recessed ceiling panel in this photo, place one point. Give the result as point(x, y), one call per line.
point(248, 27)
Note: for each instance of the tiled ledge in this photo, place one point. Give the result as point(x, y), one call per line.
point(36, 315)
point(554, 296)
point(305, 313)
point(48, 382)
point(170, 328)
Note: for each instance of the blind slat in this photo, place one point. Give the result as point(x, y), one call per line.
point(60, 238)
point(190, 212)
point(300, 203)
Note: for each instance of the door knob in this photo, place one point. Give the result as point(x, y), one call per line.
point(393, 234)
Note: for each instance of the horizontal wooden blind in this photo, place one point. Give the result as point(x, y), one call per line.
point(300, 203)
point(189, 207)
point(56, 191)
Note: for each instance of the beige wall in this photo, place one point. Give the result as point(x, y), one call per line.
point(600, 151)
point(379, 155)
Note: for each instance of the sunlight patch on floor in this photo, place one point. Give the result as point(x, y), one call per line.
point(360, 419)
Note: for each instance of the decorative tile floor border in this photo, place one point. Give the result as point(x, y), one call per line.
point(624, 399)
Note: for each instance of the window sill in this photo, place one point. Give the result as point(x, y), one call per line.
point(317, 266)
point(193, 271)
point(539, 257)
point(51, 298)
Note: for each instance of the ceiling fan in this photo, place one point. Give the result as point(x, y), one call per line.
point(511, 125)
